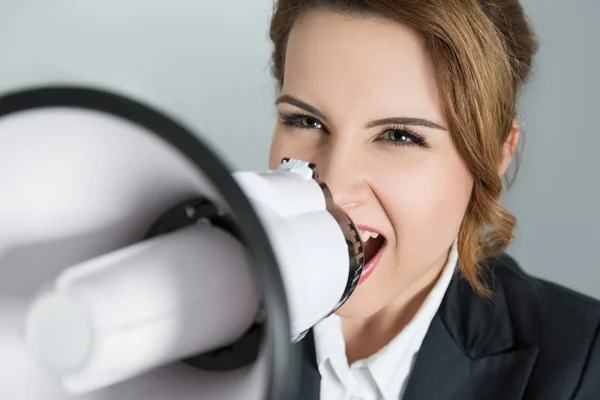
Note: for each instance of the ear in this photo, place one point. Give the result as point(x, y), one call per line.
point(509, 147)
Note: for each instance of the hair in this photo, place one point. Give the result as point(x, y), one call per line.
point(482, 53)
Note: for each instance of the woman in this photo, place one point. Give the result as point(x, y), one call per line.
point(408, 109)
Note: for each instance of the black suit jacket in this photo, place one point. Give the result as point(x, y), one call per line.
point(534, 340)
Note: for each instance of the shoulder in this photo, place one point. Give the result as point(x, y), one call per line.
point(529, 310)
point(543, 301)
point(563, 324)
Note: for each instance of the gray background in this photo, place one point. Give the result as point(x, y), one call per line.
point(206, 62)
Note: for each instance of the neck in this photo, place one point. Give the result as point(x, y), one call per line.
point(365, 337)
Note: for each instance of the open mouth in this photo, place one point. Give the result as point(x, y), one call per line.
point(373, 244)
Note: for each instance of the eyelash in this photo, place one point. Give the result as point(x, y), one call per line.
point(292, 119)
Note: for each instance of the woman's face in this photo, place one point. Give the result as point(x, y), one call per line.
point(360, 100)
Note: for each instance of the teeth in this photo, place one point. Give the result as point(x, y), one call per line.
point(366, 235)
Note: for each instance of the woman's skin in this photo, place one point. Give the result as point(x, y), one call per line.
point(360, 100)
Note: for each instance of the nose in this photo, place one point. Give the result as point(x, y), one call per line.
point(344, 174)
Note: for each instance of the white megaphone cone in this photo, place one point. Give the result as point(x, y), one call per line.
point(160, 255)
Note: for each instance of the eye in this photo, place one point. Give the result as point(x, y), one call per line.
point(403, 137)
point(309, 122)
point(398, 136)
point(301, 121)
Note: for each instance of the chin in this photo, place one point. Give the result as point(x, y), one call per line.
point(366, 301)
point(373, 293)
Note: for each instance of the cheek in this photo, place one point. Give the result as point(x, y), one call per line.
point(427, 202)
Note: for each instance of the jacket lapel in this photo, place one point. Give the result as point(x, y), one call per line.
point(469, 351)
point(443, 371)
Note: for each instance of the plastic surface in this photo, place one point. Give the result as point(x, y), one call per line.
point(308, 242)
point(84, 173)
point(143, 307)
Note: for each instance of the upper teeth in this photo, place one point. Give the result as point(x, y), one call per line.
point(366, 235)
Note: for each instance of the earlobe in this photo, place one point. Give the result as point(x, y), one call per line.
point(509, 147)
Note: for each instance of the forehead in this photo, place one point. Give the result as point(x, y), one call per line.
point(360, 64)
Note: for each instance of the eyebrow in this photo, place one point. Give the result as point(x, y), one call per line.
point(371, 124)
point(405, 121)
point(300, 104)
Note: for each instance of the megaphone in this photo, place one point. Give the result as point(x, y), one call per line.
point(141, 267)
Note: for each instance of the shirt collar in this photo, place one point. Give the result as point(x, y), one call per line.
point(329, 340)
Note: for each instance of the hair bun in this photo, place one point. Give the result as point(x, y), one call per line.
point(513, 26)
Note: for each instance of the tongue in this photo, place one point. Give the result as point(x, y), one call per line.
point(372, 246)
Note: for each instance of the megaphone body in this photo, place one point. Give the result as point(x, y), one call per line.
point(128, 259)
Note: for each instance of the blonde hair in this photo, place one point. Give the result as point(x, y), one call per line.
point(482, 53)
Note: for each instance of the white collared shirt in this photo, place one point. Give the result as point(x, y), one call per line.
point(383, 375)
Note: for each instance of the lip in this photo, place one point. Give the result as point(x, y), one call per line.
point(369, 228)
point(369, 267)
